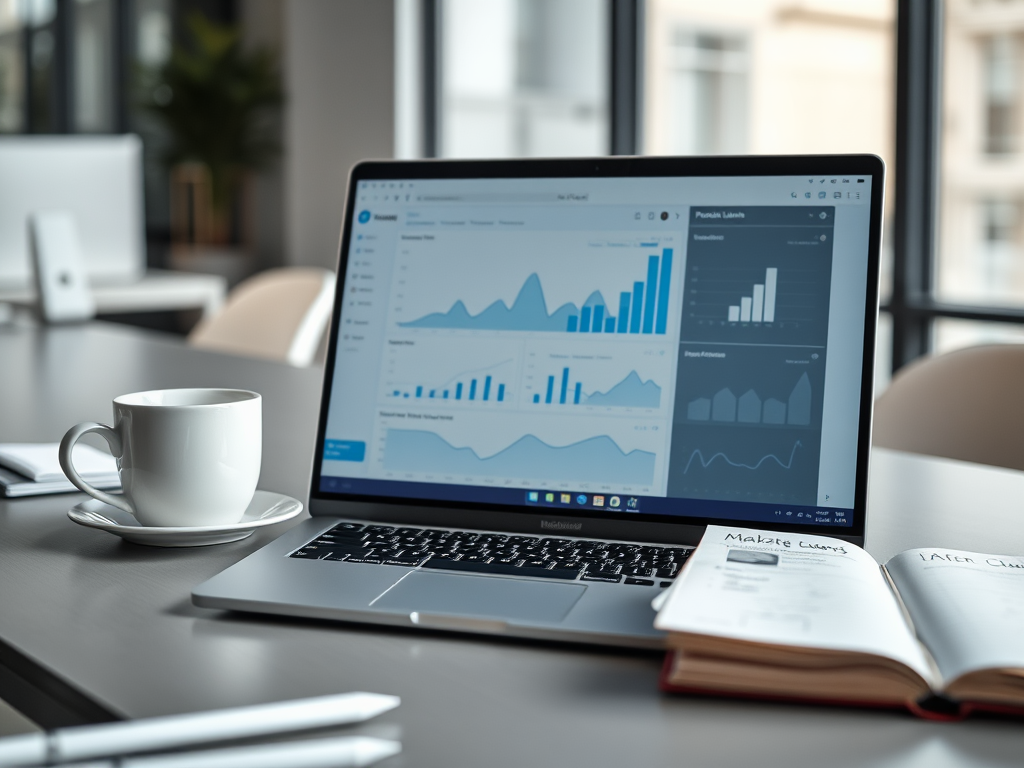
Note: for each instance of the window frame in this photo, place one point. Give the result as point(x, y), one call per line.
point(912, 304)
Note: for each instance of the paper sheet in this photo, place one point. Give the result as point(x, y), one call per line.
point(968, 608)
point(39, 462)
point(790, 589)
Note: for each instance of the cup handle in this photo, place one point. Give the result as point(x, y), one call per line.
point(113, 440)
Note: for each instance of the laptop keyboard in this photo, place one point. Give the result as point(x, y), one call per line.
point(496, 553)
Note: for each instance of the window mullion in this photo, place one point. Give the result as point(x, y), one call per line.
point(918, 89)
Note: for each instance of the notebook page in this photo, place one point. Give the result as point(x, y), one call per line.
point(39, 461)
point(968, 608)
point(790, 589)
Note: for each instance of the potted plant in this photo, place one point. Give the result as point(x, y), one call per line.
point(214, 100)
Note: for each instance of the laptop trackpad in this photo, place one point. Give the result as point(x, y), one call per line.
point(508, 599)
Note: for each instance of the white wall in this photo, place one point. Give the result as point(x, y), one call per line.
point(339, 79)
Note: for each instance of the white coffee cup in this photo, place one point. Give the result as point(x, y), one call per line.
point(187, 457)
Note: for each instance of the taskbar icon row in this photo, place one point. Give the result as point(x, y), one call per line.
point(588, 500)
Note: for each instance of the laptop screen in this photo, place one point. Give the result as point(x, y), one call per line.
point(669, 347)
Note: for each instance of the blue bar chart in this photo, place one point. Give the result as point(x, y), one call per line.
point(630, 392)
point(648, 301)
point(416, 376)
point(642, 309)
point(471, 391)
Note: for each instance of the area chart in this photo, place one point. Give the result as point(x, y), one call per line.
point(642, 309)
point(596, 459)
point(749, 408)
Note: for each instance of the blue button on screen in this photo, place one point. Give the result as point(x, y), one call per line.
point(344, 450)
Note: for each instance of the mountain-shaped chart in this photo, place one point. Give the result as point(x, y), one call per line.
point(596, 459)
point(631, 392)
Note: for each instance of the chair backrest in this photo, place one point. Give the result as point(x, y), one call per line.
point(967, 404)
point(279, 314)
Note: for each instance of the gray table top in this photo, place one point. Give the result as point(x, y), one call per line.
point(93, 628)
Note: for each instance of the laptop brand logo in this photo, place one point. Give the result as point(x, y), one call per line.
point(555, 525)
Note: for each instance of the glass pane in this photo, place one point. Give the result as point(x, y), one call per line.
point(524, 78)
point(953, 334)
point(981, 236)
point(771, 76)
point(42, 54)
point(150, 35)
point(93, 73)
point(12, 68)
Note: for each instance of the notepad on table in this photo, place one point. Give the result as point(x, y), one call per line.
point(29, 469)
point(775, 615)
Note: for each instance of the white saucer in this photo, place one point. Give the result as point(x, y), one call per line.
point(265, 509)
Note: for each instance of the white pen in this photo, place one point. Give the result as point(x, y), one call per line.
point(87, 742)
point(320, 753)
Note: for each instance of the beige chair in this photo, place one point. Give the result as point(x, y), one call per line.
point(967, 404)
point(279, 314)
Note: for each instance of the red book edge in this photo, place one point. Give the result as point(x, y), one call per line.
point(915, 708)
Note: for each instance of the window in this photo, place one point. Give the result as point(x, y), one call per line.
point(979, 260)
point(93, 72)
point(1000, 87)
point(523, 78)
point(12, 73)
point(707, 94)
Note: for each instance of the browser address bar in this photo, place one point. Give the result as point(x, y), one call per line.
point(506, 197)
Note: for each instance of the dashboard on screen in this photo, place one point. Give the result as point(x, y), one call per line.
point(622, 346)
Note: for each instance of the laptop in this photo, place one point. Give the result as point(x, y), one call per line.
point(545, 378)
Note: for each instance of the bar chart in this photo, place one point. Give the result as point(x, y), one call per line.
point(483, 389)
point(759, 307)
point(642, 309)
point(440, 372)
point(630, 392)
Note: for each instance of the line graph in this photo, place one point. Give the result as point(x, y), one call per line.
point(705, 464)
point(595, 459)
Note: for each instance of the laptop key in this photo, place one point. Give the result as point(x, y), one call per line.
point(633, 570)
point(641, 582)
point(408, 562)
point(610, 578)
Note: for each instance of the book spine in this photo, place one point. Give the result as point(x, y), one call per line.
point(667, 687)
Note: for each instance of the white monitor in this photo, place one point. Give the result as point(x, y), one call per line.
point(98, 179)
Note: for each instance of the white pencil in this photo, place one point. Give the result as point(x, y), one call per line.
point(320, 753)
point(161, 733)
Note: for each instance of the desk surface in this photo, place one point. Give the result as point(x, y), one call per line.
point(93, 628)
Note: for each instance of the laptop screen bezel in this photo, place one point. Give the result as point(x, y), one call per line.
point(628, 526)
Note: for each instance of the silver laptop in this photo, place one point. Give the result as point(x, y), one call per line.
point(545, 378)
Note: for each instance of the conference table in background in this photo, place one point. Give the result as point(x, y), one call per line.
point(94, 629)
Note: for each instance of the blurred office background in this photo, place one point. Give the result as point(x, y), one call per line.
point(905, 79)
